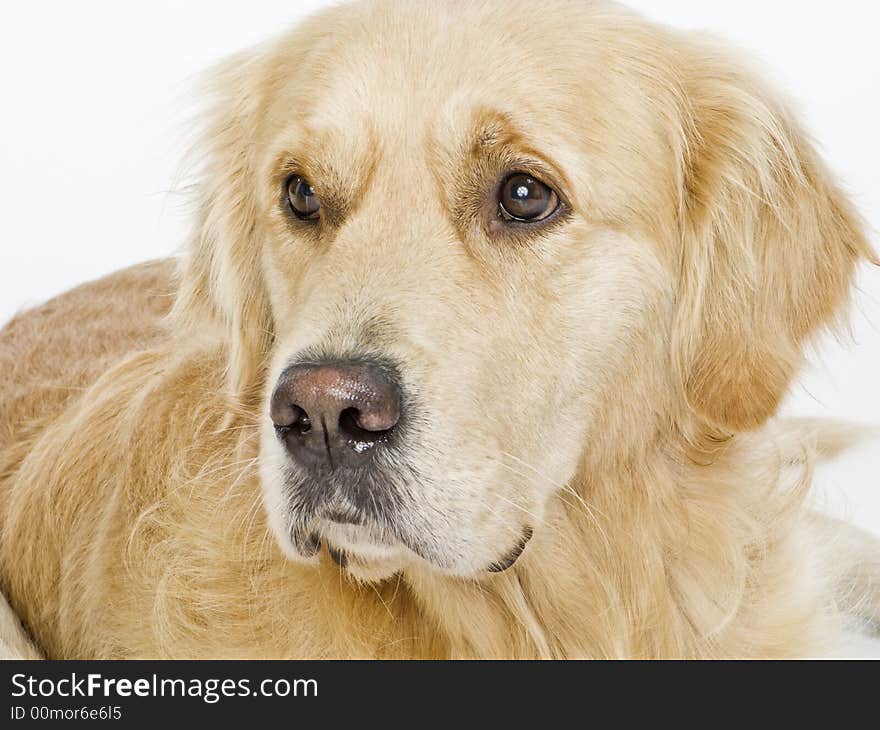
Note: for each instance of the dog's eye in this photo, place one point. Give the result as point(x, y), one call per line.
point(302, 198)
point(523, 198)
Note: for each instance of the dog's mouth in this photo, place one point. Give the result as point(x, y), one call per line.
point(344, 530)
point(355, 511)
point(354, 542)
point(347, 544)
point(361, 550)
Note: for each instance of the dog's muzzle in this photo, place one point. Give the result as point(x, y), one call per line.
point(344, 426)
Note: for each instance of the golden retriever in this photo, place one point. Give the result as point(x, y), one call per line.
point(473, 353)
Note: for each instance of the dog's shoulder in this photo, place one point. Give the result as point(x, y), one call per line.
point(53, 352)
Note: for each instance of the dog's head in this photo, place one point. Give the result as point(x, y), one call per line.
point(466, 252)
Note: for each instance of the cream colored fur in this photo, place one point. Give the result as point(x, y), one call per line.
point(608, 381)
point(14, 644)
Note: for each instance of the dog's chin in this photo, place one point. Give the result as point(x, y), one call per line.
point(370, 551)
point(357, 550)
point(369, 555)
point(362, 551)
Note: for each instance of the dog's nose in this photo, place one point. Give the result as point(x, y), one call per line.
point(336, 413)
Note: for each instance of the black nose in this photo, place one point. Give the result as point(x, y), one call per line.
point(336, 413)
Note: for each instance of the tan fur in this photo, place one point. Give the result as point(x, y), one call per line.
point(607, 382)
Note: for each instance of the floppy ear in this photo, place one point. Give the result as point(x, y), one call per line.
point(769, 248)
point(221, 287)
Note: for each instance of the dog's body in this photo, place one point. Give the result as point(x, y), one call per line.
point(653, 323)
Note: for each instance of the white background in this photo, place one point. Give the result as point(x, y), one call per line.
point(94, 99)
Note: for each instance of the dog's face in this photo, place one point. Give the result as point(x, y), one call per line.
point(427, 214)
point(465, 247)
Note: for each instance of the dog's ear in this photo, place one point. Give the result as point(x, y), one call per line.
point(221, 287)
point(770, 246)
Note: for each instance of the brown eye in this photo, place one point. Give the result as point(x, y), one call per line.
point(301, 196)
point(523, 198)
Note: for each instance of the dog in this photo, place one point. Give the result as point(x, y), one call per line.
point(475, 351)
